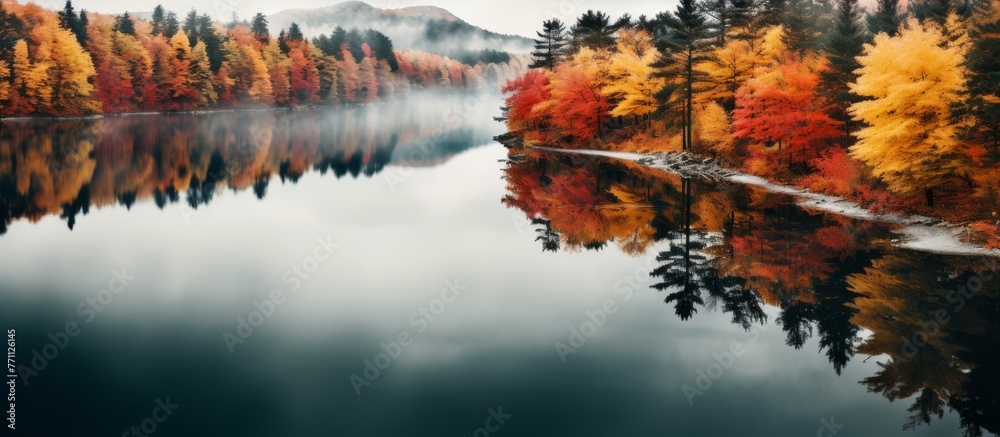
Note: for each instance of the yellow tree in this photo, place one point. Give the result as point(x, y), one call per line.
point(909, 84)
point(72, 72)
point(728, 66)
point(260, 85)
point(31, 90)
point(4, 80)
point(201, 75)
point(182, 92)
point(277, 68)
point(632, 82)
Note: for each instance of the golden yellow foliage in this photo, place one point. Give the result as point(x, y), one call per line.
point(729, 66)
point(909, 83)
point(714, 128)
point(631, 75)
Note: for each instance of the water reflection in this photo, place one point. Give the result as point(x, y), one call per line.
point(66, 167)
point(930, 321)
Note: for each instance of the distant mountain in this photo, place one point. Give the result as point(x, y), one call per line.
point(426, 28)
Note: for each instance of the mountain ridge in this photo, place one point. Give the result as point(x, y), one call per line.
point(427, 28)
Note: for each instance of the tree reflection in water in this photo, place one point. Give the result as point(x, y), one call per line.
point(739, 249)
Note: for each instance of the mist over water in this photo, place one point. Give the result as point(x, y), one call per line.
point(405, 217)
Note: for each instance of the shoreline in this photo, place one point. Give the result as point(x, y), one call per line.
point(264, 108)
point(917, 232)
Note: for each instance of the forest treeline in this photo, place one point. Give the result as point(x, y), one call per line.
point(66, 62)
point(896, 107)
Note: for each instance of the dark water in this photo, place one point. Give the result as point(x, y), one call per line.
point(523, 288)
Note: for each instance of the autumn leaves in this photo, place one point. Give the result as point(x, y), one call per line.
point(789, 90)
point(66, 64)
point(910, 83)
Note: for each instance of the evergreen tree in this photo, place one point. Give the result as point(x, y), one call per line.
point(259, 29)
point(157, 20)
point(719, 21)
point(885, 18)
point(551, 45)
point(125, 25)
point(81, 30)
point(337, 40)
point(69, 20)
point(984, 68)
point(382, 48)
point(686, 30)
point(741, 16)
point(171, 25)
point(213, 42)
point(295, 33)
point(190, 27)
point(935, 10)
point(594, 30)
point(354, 41)
point(11, 30)
point(322, 42)
point(843, 47)
point(67, 17)
point(799, 18)
point(283, 42)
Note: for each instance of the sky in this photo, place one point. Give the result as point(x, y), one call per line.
point(519, 17)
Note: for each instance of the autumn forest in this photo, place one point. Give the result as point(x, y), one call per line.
point(896, 107)
point(78, 63)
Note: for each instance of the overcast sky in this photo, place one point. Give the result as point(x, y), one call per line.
point(521, 17)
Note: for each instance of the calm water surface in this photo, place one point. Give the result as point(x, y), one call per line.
point(579, 296)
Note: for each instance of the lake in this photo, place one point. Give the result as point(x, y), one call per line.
point(389, 269)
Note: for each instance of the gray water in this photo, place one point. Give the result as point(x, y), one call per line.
point(428, 226)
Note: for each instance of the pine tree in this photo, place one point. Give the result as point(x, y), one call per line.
point(843, 47)
point(81, 30)
point(718, 13)
point(551, 45)
point(984, 66)
point(295, 33)
point(382, 47)
point(885, 18)
point(593, 30)
point(684, 47)
point(190, 27)
point(68, 18)
point(170, 25)
point(11, 30)
point(157, 20)
point(283, 42)
point(125, 25)
point(213, 42)
point(259, 29)
point(337, 40)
